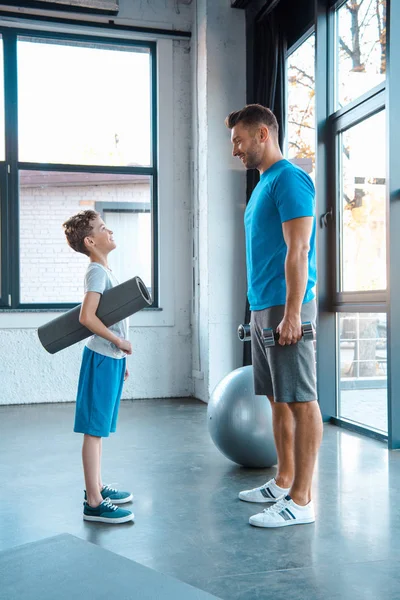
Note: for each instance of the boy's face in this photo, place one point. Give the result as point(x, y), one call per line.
point(101, 239)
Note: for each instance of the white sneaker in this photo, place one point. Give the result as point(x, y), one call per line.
point(269, 492)
point(284, 512)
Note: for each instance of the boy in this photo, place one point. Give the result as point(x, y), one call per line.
point(103, 369)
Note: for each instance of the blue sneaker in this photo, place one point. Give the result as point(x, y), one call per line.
point(115, 496)
point(106, 512)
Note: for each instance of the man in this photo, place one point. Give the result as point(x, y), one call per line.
point(281, 274)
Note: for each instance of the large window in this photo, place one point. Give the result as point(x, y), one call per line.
point(357, 57)
point(358, 119)
point(82, 137)
point(300, 137)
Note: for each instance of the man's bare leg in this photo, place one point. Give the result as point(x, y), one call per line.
point(283, 427)
point(307, 440)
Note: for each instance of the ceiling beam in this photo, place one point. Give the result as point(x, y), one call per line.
point(269, 5)
point(240, 3)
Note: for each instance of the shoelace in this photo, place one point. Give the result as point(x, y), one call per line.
point(277, 507)
point(262, 487)
point(109, 489)
point(108, 504)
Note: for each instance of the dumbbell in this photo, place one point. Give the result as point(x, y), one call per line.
point(244, 333)
point(270, 336)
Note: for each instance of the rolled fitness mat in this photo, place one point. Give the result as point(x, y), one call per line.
point(115, 305)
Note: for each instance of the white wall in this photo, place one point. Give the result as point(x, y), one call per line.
point(176, 14)
point(220, 87)
point(161, 364)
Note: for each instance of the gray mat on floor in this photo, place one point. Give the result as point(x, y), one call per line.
point(68, 568)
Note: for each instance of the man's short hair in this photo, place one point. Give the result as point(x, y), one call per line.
point(253, 115)
point(77, 228)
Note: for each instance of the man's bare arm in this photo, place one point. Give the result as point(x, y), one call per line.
point(297, 234)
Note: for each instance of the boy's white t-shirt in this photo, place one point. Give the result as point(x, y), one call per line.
point(100, 279)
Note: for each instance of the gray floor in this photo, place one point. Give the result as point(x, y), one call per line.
point(189, 523)
point(63, 566)
point(366, 407)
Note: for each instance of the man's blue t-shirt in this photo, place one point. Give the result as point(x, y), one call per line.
point(283, 193)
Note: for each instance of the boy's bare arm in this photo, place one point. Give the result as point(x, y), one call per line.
point(89, 319)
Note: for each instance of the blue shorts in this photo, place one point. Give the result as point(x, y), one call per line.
point(100, 386)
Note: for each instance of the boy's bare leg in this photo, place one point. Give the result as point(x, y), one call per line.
point(91, 468)
point(100, 452)
point(283, 427)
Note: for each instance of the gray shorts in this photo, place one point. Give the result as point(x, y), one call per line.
point(285, 372)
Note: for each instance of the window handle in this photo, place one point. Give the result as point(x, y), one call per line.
point(324, 219)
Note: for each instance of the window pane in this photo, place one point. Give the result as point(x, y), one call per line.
point(301, 106)
point(2, 133)
point(363, 375)
point(132, 230)
point(82, 103)
point(361, 48)
point(1, 249)
point(363, 206)
point(51, 272)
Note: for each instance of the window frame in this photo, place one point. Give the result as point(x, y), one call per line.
point(338, 121)
point(330, 123)
point(374, 106)
point(9, 169)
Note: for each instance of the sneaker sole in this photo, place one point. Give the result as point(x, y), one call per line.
point(285, 524)
point(122, 500)
point(263, 501)
point(111, 521)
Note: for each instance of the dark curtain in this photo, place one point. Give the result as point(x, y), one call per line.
point(268, 89)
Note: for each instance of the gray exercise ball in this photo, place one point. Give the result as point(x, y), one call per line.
point(240, 423)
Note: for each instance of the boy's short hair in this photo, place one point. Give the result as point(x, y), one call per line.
point(78, 227)
point(251, 116)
